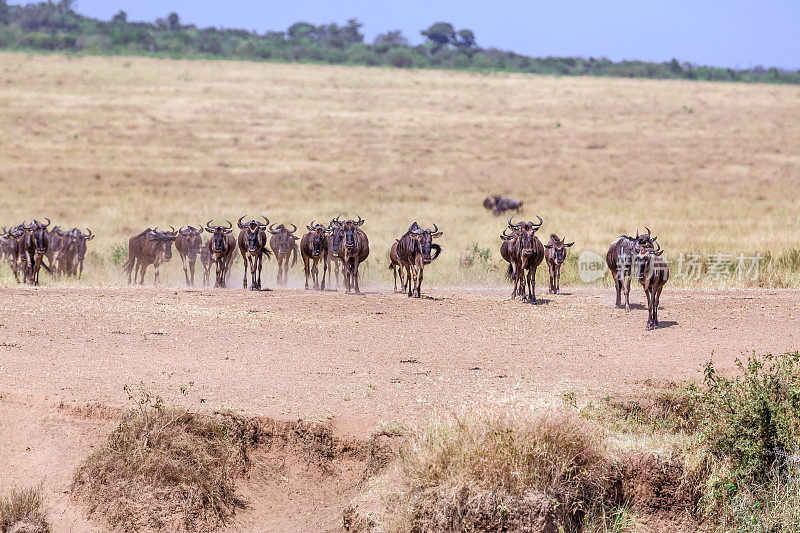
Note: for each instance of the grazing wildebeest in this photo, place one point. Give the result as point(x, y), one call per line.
point(652, 272)
point(527, 253)
point(555, 254)
point(334, 239)
point(283, 244)
point(353, 250)
point(81, 239)
point(414, 252)
point(221, 246)
point(313, 249)
point(35, 243)
point(499, 205)
point(396, 267)
point(619, 259)
point(188, 243)
point(150, 247)
point(253, 246)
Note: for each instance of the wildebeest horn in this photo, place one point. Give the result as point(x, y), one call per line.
point(504, 233)
point(266, 223)
point(208, 224)
point(89, 234)
point(360, 220)
point(295, 228)
point(229, 223)
point(155, 229)
point(648, 230)
point(172, 229)
point(540, 222)
point(637, 234)
point(273, 230)
point(656, 249)
point(337, 218)
point(435, 228)
point(514, 226)
point(48, 223)
point(180, 230)
point(239, 222)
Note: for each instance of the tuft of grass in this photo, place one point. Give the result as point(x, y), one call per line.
point(23, 510)
point(491, 472)
point(165, 468)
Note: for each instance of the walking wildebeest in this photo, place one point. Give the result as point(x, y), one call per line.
point(55, 235)
point(527, 253)
point(253, 246)
point(313, 249)
point(80, 248)
point(188, 243)
point(555, 254)
point(414, 252)
point(221, 246)
point(499, 205)
point(334, 238)
point(206, 261)
point(619, 259)
point(353, 250)
point(283, 244)
point(149, 247)
point(14, 249)
point(652, 272)
point(35, 243)
point(396, 267)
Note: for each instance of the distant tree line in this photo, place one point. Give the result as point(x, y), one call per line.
point(55, 26)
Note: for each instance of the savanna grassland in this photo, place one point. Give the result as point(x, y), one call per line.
point(119, 144)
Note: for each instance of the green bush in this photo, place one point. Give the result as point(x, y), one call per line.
point(400, 58)
point(751, 421)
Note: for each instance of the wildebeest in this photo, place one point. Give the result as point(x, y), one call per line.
point(206, 261)
point(652, 272)
point(221, 247)
point(353, 250)
point(65, 260)
point(283, 243)
point(150, 247)
point(80, 248)
point(35, 243)
point(396, 267)
point(54, 236)
point(526, 253)
point(253, 246)
point(619, 259)
point(313, 249)
point(189, 243)
point(13, 249)
point(555, 254)
point(414, 252)
point(333, 263)
point(499, 205)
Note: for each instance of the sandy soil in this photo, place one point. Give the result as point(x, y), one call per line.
point(355, 361)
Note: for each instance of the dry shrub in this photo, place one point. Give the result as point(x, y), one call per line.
point(166, 469)
point(21, 511)
point(490, 473)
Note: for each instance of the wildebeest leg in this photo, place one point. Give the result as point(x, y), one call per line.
point(627, 294)
point(394, 273)
point(656, 300)
point(324, 270)
point(142, 270)
point(185, 270)
point(558, 279)
point(306, 269)
point(245, 262)
point(80, 268)
point(338, 264)
point(618, 287)
point(192, 263)
point(532, 285)
point(315, 273)
point(347, 274)
point(419, 282)
point(355, 277)
point(155, 277)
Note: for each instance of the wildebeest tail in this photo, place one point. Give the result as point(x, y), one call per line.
point(295, 251)
point(510, 272)
point(267, 252)
point(438, 250)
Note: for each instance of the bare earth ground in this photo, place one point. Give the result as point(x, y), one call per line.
point(356, 361)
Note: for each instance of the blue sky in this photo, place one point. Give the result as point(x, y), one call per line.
point(731, 33)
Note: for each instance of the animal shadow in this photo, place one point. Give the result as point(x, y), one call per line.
point(666, 324)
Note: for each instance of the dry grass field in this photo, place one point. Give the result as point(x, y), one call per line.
point(118, 144)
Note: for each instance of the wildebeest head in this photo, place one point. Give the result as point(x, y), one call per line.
point(193, 237)
point(527, 235)
point(350, 233)
point(559, 248)
point(38, 232)
point(645, 239)
point(424, 241)
point(318, 235)
point(163, 241)
point(336, 231)
point(80, 239)
point(641, 257)
point(285, 237)
point(218, 233)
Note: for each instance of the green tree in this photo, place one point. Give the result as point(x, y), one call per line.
point(3, 12)
point(120, 17)
point(174, 21)
point(466, 39)
point(301, 30)
point(440, 34)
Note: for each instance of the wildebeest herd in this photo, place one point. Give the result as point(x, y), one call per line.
point(340, 246)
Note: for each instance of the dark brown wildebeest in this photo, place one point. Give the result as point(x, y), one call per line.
point(149, 247)
point(54, 236)
point(396, 267)
point(353, 250)
point(499, 205)
point(505, 251)
point(35, 243)
point(334, 238)
point(555, 254)
point(652, 272)
point(221, 247)
point(206, 261)
point(283, 243)
point(13, 247)
point(253, 246)
point(619, 259)
point(414, 252)
point(81, 239)
point(188, 243)
point(64, 262)
point(313, 249)
point(527, 253)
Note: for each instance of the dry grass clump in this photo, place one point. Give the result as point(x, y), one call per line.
point(165, 469)
point(490, 473)
point(21, 511)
